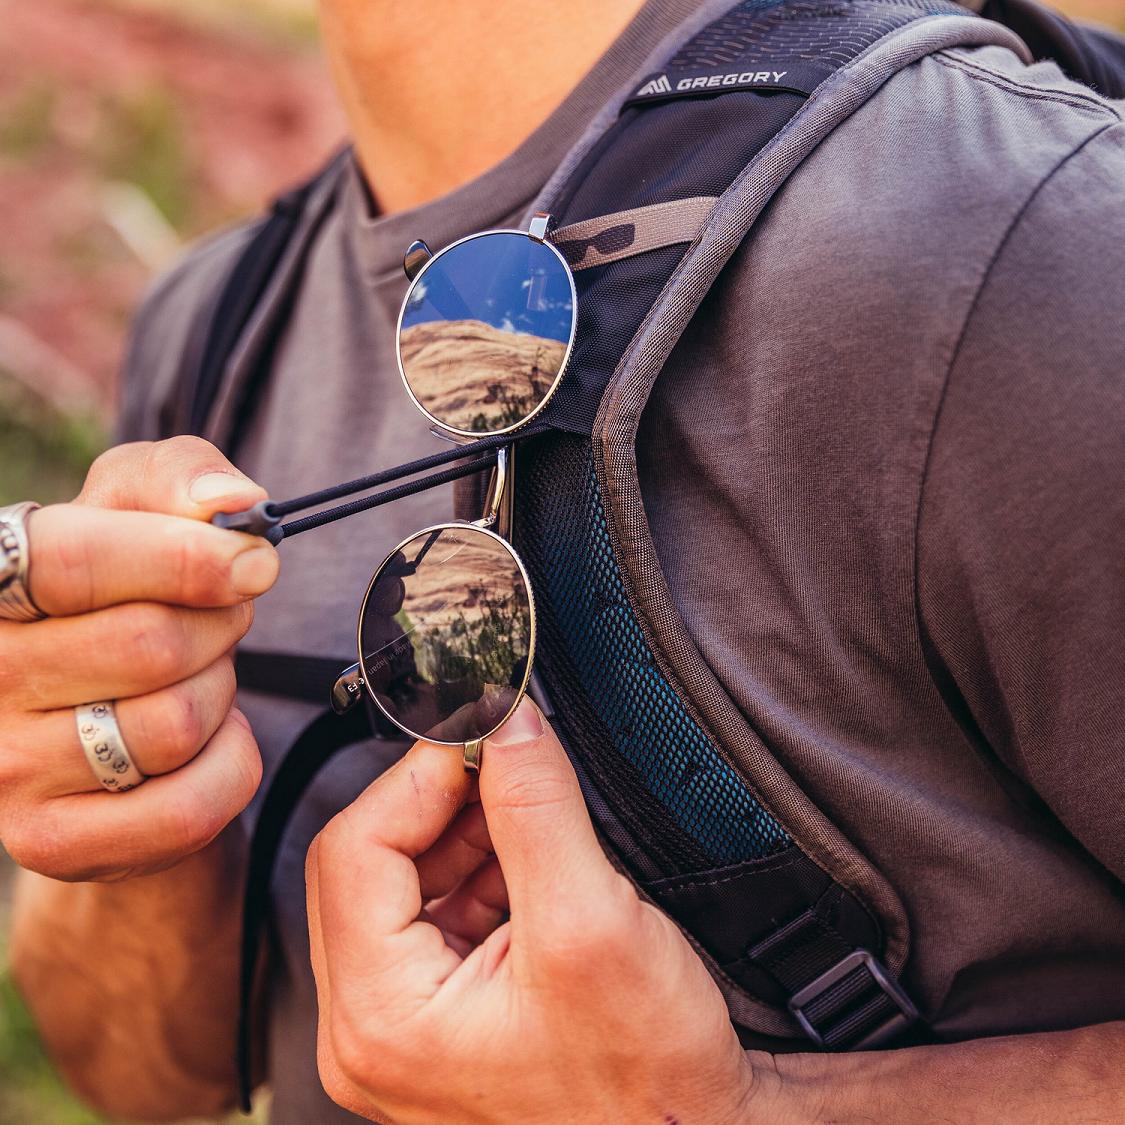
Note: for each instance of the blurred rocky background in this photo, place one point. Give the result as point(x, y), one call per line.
point(128, 128)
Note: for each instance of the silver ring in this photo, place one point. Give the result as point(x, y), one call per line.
point(105, 748)
point(15, 601)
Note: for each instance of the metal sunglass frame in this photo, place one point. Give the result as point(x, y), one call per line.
point(418, 261)
point(496, 521)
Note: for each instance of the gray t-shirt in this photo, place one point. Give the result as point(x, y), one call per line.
point(901, 412)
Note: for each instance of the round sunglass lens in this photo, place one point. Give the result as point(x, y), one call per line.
point(446, 635)
point(484, 332)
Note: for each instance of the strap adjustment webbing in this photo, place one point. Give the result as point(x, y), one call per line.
point(844, 998)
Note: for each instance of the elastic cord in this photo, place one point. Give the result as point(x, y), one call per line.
point(281, 508)
point(319, 519)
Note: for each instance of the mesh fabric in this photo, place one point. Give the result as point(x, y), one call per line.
point(806, 30)
point(638, 738)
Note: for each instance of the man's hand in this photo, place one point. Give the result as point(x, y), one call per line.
point(146, 601)
point(586, 1005)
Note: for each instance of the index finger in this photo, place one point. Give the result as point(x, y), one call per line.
point(365, 856)
point(83, 559)
point(364, 896)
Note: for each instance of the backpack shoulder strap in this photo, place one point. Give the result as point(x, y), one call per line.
point(802, 933)
point(245, 286)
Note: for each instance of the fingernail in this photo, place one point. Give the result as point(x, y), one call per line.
point(254, 571)
point(526, 725)
point(216, 486)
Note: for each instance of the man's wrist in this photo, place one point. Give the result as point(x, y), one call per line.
point(778, 1094)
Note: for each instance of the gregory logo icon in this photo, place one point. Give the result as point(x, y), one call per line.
point(659, 85)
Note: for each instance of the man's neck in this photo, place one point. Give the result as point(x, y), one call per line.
point(438, 93)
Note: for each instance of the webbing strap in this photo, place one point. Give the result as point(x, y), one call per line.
point(315, 746)
point(843, 997)
point(292, 675)
point(240, 296)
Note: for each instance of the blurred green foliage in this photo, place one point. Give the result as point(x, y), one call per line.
point(284, 22)
point(142, 141)
point(30, 1092)
point(26, 127)
point(44, 454)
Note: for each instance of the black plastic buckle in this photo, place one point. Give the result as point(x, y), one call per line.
point(906, 1015)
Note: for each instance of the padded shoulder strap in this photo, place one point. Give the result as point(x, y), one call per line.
point(244, 289)
point(704, 832)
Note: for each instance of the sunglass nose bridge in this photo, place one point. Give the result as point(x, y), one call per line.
point(346, 690)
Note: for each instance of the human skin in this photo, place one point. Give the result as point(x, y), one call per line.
point(125, 897)
point(437, 93)
point(486, 928)
point(600, 1012)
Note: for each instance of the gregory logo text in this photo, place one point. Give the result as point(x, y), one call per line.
point(663, 86)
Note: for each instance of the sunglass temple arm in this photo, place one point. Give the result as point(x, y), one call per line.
point(264, 518)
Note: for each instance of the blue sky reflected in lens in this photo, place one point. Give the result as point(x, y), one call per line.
point(508, 281)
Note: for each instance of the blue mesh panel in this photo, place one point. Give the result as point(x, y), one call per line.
point(581, 594)
point(831, 31)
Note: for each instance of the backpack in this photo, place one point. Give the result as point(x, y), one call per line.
point(804, 936)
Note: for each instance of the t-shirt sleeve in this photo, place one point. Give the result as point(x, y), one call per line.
point(168, 334)
point(1021, 534)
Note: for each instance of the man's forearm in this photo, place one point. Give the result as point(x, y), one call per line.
point(133, 985)
point(1067, 1077)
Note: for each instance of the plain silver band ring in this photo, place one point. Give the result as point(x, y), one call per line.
point(105, 748)
point(15, 601)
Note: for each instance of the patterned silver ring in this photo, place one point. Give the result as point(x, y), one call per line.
point(15, 601)
point(105, 748)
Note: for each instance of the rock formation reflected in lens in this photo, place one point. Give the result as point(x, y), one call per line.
point(485, 331)
point(446, 634)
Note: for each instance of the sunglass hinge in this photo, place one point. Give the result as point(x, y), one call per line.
point(540, 224)
point(417, 255)
point(346, 690)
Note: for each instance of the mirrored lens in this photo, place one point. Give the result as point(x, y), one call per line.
point(446, 634)
point(484, 332)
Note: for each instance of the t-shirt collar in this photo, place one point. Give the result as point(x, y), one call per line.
point(499, 196)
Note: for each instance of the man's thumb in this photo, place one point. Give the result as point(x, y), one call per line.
point(552, 862)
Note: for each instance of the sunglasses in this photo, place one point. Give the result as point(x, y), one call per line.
point(446, 630)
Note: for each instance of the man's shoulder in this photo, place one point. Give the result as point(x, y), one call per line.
point(898, 214)
point(1013, 78)
point(191, 281)
point(1033, 128)
point(171, 327)
point(965, 134)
